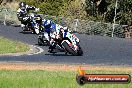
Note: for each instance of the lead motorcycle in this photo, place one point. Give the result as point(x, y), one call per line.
point(70, 44)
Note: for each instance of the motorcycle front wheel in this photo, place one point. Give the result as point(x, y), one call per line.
point(68, 48)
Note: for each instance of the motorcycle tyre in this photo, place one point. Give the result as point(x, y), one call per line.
point(69, 49)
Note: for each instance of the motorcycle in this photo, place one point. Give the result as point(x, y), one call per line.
point(37, 24)
point(44, 37)
point(33, 25)
point(70, 44)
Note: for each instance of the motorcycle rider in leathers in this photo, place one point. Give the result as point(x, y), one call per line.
point(50, 30)
point(57, 37)
point(22, 13)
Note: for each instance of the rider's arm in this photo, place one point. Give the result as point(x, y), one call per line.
point(19, 13)
point(30, 7)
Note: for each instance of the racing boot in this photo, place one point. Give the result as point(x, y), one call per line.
point(51, 51)
point(52, 48)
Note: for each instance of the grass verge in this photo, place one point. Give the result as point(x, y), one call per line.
point(50, 79)
point(8, 46)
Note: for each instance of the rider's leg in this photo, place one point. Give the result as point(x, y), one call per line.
point(23, 25)
point(52, 47)
point(46, 36)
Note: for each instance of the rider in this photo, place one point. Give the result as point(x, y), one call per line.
point(51, 32)
point(48, 28)
point(57, 37)
point(23, 11)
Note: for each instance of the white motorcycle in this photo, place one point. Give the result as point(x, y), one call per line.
point(70, 43)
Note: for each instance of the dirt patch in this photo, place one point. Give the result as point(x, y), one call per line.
point(59, 67)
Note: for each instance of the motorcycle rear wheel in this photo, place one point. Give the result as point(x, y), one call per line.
point(69, 49)
point(80, 51)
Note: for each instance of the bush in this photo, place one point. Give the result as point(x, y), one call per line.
point(68, 8)
point(74, 9)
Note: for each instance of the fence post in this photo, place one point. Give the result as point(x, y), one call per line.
point(5, 17)
point(127, 33)
point(114, 19)
point(113, 29)
point(76, 24)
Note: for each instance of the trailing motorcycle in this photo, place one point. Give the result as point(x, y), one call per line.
point(37, 24)
point(43, 39)
point(33, 24)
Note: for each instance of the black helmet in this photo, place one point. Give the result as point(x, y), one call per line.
point(22, 4)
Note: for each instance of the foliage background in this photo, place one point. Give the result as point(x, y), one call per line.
point(96, 10)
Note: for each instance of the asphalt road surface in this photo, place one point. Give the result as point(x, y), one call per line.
point(97, 50)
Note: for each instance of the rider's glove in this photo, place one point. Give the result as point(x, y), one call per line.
point(22, 25)
point(36, 9)
point(25, 18)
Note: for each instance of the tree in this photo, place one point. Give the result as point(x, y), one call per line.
point(95, 7)
point(124, 11)
point(5, 1)
point(50, 7)
point(91, 7)
point(73, 9)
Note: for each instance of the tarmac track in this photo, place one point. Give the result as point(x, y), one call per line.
point(98, 50)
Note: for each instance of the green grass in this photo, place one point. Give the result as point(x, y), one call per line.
point(50, 79)
point(8, 46)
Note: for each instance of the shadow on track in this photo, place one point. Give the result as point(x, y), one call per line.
point(26, 32)
point(55, 54)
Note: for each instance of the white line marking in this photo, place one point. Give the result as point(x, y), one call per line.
point(30, 52)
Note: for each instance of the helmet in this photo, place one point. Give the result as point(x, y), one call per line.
point(22, 5)
point(37, 18)
point(65, 29)
point(48, 22)
point(61, 29)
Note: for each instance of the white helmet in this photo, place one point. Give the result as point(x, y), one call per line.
point(48, 22)
point(66, 29)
